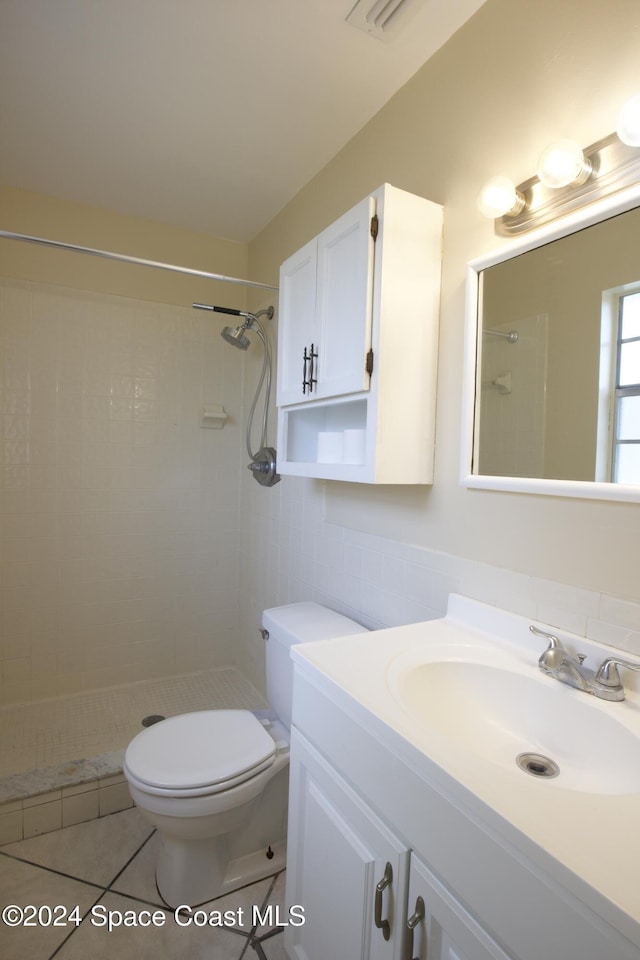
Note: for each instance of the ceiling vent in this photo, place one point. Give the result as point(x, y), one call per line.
point(378, 17)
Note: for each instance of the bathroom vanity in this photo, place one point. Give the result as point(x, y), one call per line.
point(414, 834)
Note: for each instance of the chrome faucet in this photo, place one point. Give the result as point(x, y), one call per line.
point(603, 683)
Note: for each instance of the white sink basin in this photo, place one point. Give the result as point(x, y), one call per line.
point(497, 713)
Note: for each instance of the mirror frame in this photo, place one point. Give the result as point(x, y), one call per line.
point(612, 205)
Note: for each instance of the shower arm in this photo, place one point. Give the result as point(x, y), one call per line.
point(230, 311)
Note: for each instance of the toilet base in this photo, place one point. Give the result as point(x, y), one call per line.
point(201, 858)
point(185, 877)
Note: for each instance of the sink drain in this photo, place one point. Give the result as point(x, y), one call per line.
point(538, 765)
point(153, 718)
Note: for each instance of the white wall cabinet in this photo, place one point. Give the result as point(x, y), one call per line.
point(326, 292)
point(357, 344)
point(352, 873)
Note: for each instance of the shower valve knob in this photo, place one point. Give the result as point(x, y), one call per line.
point(263, 467)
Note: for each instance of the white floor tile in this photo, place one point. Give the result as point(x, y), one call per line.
point(139, 878)
point(275, 901)
point(272, 948)
point(242, 902)
point(94, 851)
point(149, 942)
point(23, 884)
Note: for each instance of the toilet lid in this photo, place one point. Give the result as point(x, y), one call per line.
point(200, 750)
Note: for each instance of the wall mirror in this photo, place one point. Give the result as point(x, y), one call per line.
point(552, 359)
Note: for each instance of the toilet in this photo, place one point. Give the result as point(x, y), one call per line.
point(214, 782)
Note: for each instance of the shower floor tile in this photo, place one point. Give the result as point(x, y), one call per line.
point(51, 733)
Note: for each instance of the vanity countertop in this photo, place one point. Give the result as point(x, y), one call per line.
point(585, 837)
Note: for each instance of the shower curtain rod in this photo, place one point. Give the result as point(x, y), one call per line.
point(139, 261)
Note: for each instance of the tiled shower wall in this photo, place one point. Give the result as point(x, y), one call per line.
point(118, 511)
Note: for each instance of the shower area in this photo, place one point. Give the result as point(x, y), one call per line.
point(512, 408)
point(120, 535)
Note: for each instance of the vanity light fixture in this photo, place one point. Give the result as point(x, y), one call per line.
point(563, 163)
point(629, 122)
point(499, 197)
point(568, 177)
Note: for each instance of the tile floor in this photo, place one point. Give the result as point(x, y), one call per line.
point(106, 868)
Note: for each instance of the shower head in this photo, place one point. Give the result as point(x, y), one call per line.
point(236, 337)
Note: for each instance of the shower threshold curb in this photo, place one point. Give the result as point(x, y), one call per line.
point(22, 786)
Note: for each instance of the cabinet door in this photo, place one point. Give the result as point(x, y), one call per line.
point(338, 852)
point(345, 302)
point(439, 927)
point(297, 322)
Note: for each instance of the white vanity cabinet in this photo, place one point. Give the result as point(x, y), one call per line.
point(438, 927)
point(365, 895)
point(362, 797)
point(346, 868)
point(357, 344)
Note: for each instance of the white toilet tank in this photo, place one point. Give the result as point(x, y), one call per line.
point(286, 626)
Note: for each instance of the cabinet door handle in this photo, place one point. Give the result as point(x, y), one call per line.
point(305, 360)
point(312, 356)
point(412, 923)
point(381, 886)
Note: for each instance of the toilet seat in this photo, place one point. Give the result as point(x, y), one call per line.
point(199, 753)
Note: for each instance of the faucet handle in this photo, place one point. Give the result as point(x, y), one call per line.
point(552, 657)
point(607, 673)
point(553, 640)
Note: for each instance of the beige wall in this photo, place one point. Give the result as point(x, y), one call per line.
point(519, 74)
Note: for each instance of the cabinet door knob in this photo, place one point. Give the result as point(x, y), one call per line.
point(412, 923)
point(381, 886)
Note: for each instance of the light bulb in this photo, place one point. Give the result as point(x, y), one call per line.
point(499, 197)
point(629, 122)
point(562, 163)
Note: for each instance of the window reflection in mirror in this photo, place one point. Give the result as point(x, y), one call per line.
point(561, 400)
point(625, 392)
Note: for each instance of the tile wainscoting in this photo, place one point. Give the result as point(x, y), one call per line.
point(383, 582)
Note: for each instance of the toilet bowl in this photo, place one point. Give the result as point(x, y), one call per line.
point(214, 782)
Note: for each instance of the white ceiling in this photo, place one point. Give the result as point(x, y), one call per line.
point(204, 114)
